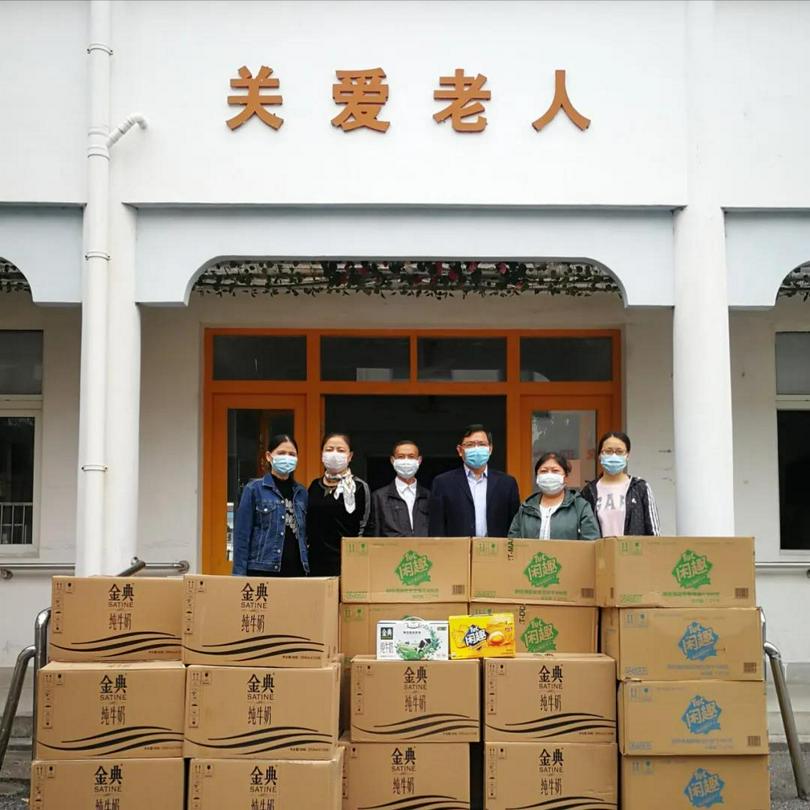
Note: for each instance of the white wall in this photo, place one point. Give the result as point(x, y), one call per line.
point(25, 595)
point(756, 471)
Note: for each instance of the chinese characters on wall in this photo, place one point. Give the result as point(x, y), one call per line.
point(362, 94)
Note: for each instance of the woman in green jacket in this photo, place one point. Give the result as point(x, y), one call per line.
point(554, 512)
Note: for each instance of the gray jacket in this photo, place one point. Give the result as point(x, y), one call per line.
point(573, 520)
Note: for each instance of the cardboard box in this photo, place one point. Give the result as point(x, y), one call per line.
point(405, 569)
point(358, 622)
point(270, 784)
point(127, 784)
point(255, 621)
point(87, 711)
point(549, 628)
point(116, 619)
point(533, 571)
point(553, 774)
point(660, 644)
point(692, 718)
point(676, 572)
point(280, 712)
point(560, 696)
point(430, 701)
point(428, 774)
point(684, 783)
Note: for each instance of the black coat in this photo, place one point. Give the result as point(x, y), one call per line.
point(452, 513)
point(390, 513)
point(641, 512)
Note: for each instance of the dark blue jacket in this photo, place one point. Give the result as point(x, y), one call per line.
point(452, 512)
point(259, 525)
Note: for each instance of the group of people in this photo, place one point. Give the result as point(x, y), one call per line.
point(283, 529)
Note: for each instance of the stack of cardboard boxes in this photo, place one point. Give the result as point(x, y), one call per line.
point(110, 704)
point(412, 723)
point(263, 693)
point(549, 713)
point(679, 617)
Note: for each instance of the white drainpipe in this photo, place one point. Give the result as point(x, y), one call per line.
point(92, 393)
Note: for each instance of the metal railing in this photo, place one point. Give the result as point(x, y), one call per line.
point(785, 566)
point(39, 651)
point(9, 569)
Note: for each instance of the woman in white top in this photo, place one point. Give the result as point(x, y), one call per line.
point(624, 504)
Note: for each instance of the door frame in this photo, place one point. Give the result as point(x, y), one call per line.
point(219, 395)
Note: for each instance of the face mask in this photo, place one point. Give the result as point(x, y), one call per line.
point(283, 464)
point(476, 457)
point(550, 483)
point(405, 467)
point(612, 464)
point(335, 462)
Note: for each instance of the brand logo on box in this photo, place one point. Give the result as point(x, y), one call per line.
point(543, 570)
point(705, 789)
point(254, 597)
point(116, 596)
point(263, 780)
point(414, 569)
point(702, 715)
point(698, 642)
point(108, 781)
point(692, 570)
point(540, 636)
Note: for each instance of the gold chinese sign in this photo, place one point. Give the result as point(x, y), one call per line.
point(362, 94)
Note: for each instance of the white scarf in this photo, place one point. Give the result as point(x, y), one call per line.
point(346, 486)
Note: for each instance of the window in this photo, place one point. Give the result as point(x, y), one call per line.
point(793, 432)
point(462, 359)
point(566, 359)
point(367, 359)
point(20, 413)
point(260, 357)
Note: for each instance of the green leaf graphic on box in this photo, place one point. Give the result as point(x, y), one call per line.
point(543, 570)
point(414, 569)
point(540, 636)
point(692, 570)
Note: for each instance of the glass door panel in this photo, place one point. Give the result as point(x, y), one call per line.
point(243, 426)
point(569, 425)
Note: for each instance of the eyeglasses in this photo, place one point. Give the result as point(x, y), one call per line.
point(467, 445)
point(613, 451)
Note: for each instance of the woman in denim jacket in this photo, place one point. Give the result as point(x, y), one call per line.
point(270, 532)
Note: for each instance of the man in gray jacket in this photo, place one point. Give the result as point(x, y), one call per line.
point(400, 508)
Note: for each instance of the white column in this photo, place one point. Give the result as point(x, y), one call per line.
point(92, 394)
point(704, 475)
point(123, 395)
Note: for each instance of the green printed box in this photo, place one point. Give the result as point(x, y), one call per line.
point(405, 569)
point(675, 572)
point(522, 571)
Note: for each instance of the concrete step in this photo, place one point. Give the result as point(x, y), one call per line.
point(15, 776)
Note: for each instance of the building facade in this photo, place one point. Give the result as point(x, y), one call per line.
point(579, 217)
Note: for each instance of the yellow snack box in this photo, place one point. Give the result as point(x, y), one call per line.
point(482, 636)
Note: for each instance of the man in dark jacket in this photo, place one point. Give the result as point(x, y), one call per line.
point(400, 508)
point(473, 500)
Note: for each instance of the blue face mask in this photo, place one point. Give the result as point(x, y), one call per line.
point(476, 457)
point(612, 464)
point(284, 465)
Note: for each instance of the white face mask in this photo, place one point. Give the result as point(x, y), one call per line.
point(334, 462)
point(405, 467)
point(550, 483)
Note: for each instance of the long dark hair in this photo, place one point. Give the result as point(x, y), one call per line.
point(344, 436)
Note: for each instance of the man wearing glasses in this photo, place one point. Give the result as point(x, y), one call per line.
point(473, 500)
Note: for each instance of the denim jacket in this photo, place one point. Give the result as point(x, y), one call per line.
point(260, 525)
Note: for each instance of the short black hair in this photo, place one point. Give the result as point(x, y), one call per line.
point(613, 434)
point(344, 436)
point(470, 429)
point(404, 441)
point(558, 457)
point(280, 438)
